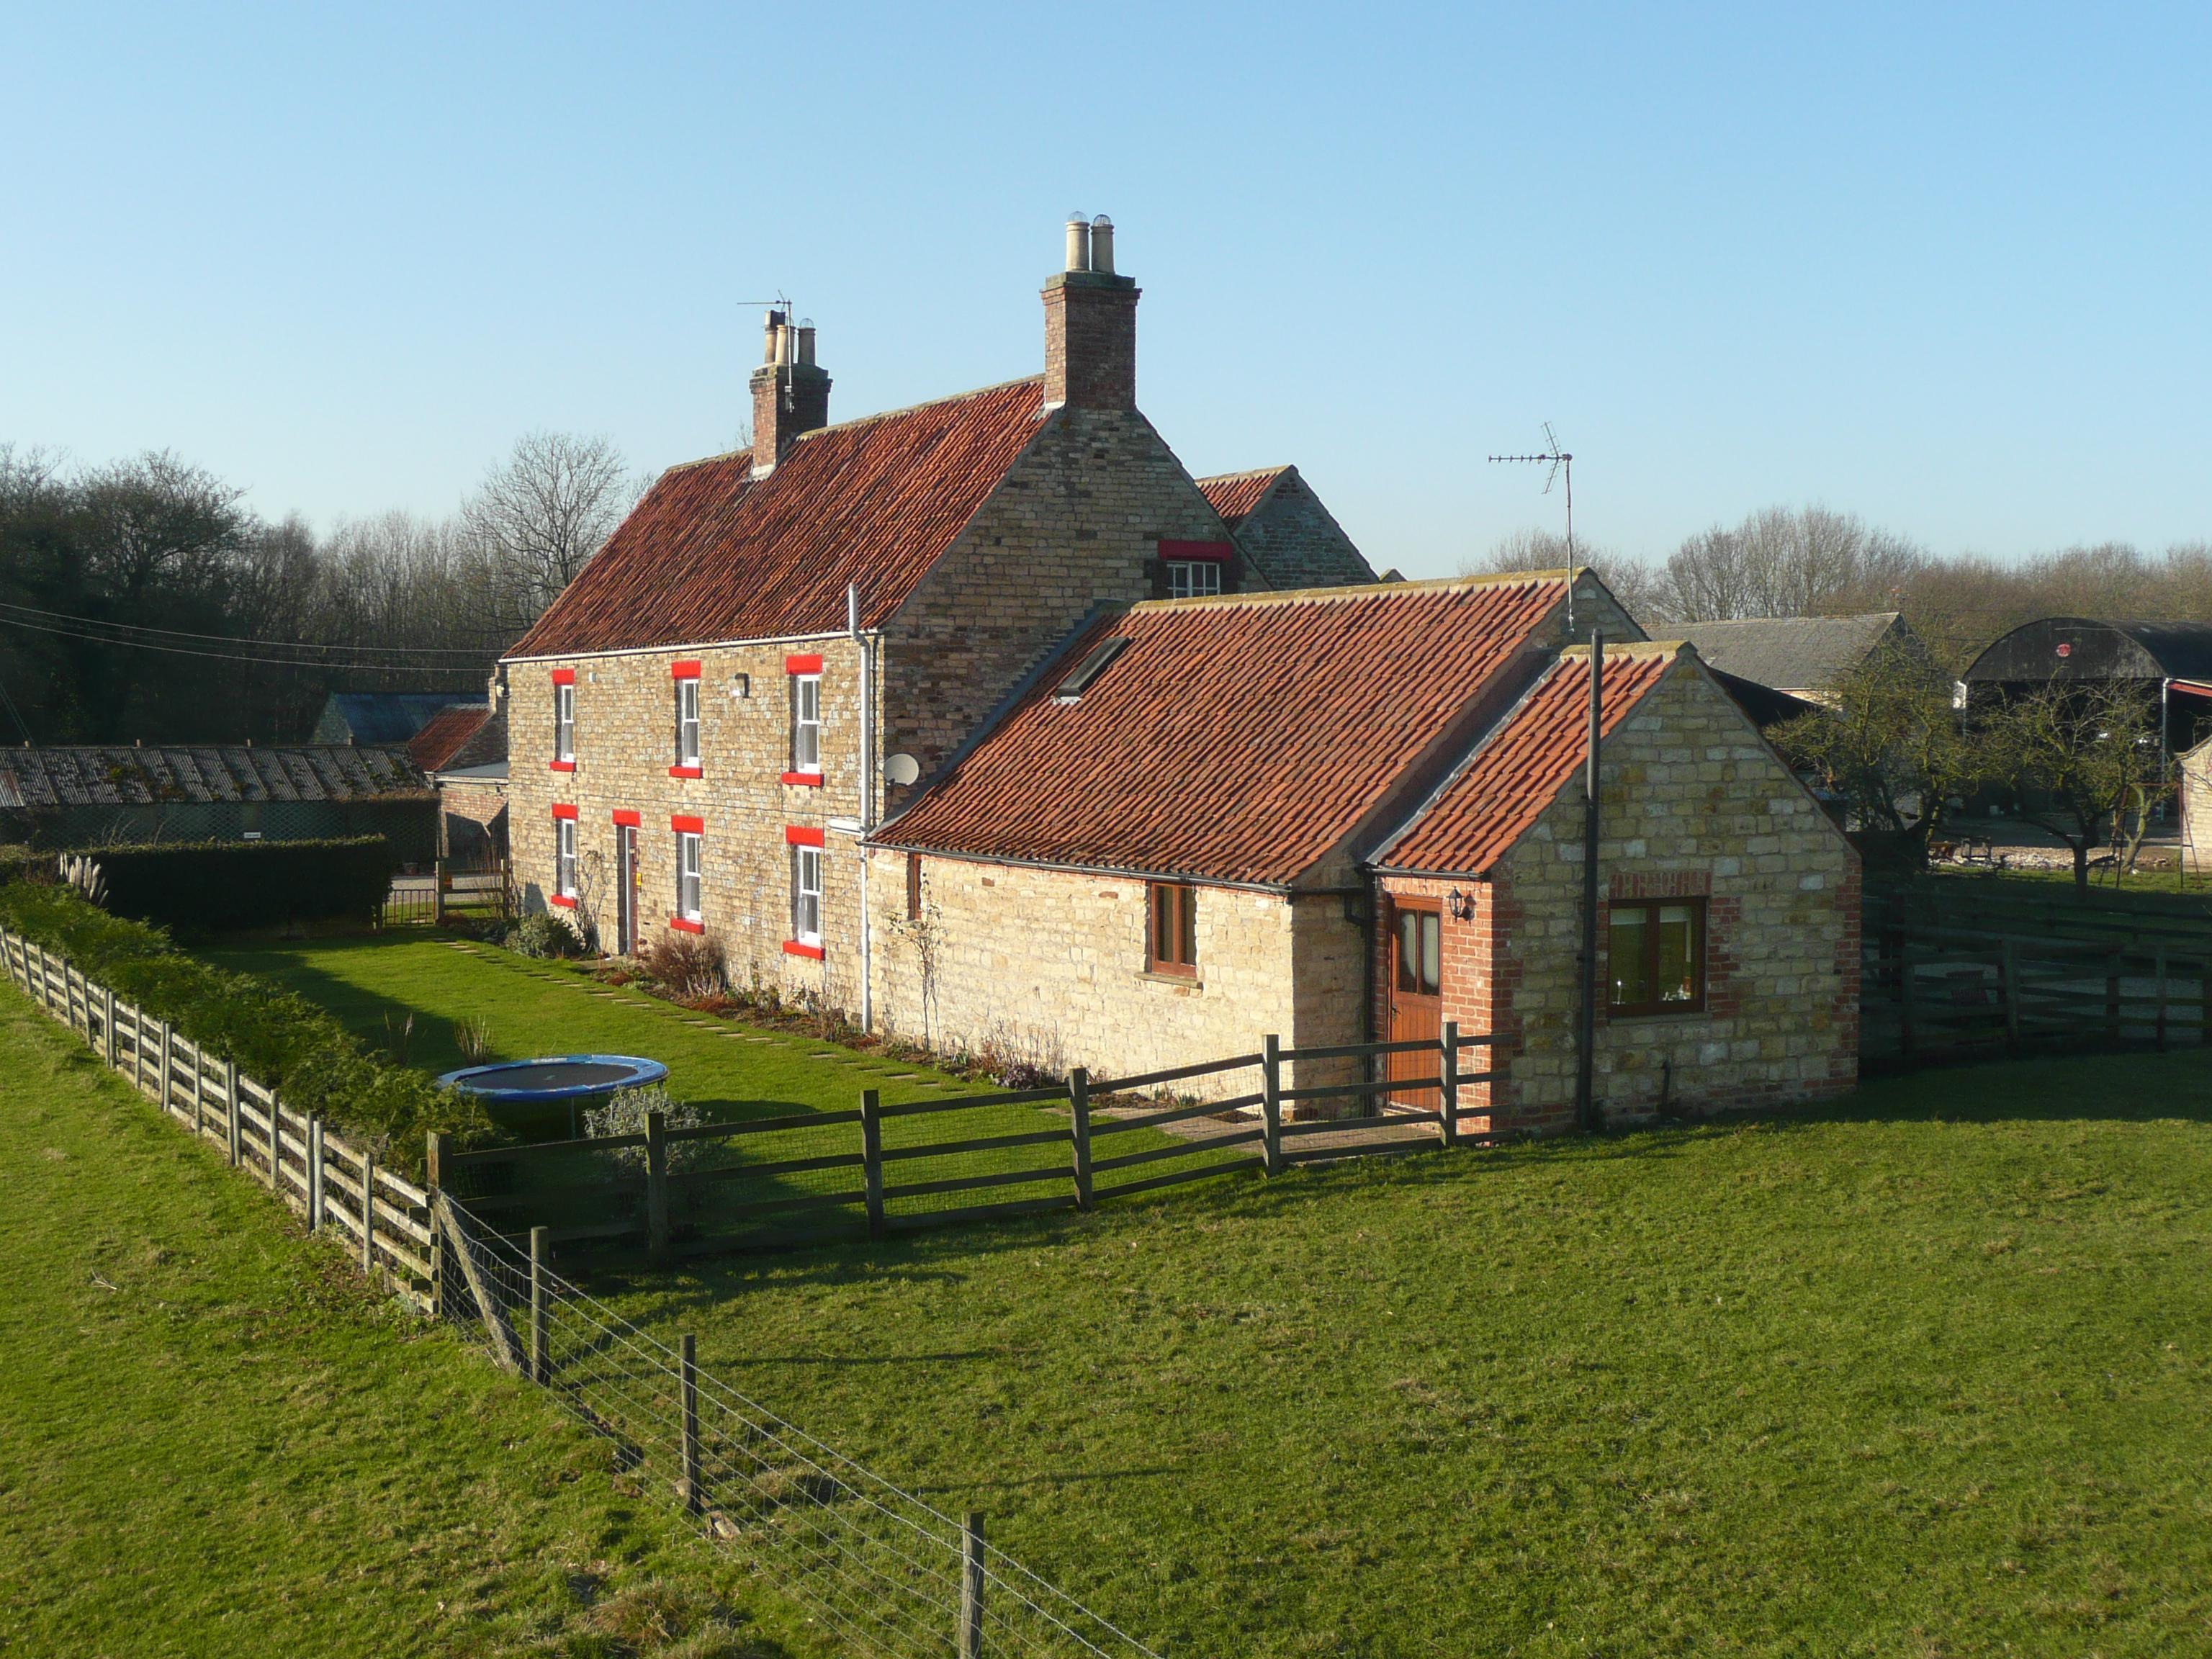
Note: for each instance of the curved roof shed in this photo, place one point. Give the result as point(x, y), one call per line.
point(2083, 648)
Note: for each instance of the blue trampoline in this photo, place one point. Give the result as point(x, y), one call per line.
point(569, 1081)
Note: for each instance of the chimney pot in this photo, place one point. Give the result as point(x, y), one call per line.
point(791, 394)
point(1090, 324)
point(1078, 242)
point(1101, 245)
point(774, 333)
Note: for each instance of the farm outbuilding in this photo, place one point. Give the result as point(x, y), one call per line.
point(2170, 662)
point(90, 795)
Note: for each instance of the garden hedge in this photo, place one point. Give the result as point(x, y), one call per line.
point(214, 885)
point(276, 1037)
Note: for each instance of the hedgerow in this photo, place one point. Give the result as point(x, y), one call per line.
point(276, 1037)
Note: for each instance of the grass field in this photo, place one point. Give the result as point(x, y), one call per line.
point(1923, 1374)
point(216, 1440)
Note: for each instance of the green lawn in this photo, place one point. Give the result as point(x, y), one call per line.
point(1923, 1373)
point(1927, 1375)
point(216, 1440)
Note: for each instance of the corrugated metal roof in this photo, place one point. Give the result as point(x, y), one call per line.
point(1233, 494)
point(1236, 739)
point(124, 777)
point(1789, 653)
point(1519, 769)
point(709, 553)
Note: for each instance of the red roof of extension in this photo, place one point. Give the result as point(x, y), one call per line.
point(1234, 739)
point(1519, 767)
point(1233, 494)
point(710, 554)
point(442, 736)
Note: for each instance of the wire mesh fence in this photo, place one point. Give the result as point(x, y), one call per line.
point(883, 1572)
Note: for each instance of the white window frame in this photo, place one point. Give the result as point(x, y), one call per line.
point(564, 722)
point(806, 723)
point(1184, 579)
point(807, 896)
point(687, 722)
point(564, 857)
point(691, 883)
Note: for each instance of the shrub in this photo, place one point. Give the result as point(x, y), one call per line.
point(688, 967)
point(625, 1112)
point(542, 933)
point(213, 886)
point(276, 1037)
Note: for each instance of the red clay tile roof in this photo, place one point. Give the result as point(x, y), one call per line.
point(442, 738)
point(710, 554)
point(1520, 768)
point(1236, 740)
point(1233, 494)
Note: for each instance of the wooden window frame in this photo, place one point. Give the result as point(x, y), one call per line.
point(803, 856)
point(687, 727)
point(565, 858)
point(914, 887)
point(1699, 955)
point(1432, 917)
point(1196, 579)
point(799, 723)
point(691, 872)
point(1171, 936)
point(564, 723)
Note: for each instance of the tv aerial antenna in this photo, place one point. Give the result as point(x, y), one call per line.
point(1562, 465)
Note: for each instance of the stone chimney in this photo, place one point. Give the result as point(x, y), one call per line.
point(1090, 323)
point(791, 394)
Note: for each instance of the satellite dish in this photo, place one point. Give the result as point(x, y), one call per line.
point(901, 770)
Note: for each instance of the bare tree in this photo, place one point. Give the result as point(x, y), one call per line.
point(1782, 561)
point(543, 511)
point(1634, 584)
point(2081, 760)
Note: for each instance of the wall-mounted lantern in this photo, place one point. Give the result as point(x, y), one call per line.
point(1463, 905)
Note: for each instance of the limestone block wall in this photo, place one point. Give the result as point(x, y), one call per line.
point(1693, 804)
point(1048, 967)
point(625, 745)
point(1297, 541)
point(2196, 786)
point(1076, 520)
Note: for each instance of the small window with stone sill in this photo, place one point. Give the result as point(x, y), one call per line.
point(1657, 954)
point(1171, 944)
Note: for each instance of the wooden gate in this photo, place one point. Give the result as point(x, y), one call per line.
point(1416, 997)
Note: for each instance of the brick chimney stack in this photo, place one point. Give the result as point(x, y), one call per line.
point(1090, 323)
point(791, 393)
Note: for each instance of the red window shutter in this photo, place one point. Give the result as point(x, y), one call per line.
point(684, 671)
point(693, 826)
point(625, 816)
point(562, 810)
point(802, 665)
point(564, 676)
point(798, 835)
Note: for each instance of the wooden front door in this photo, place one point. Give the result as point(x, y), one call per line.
point(625, 890)
point(1416, 999)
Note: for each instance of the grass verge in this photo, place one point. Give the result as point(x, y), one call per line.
point(215, 1439)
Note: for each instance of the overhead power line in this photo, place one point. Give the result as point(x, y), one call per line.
point(238, 639)
point(475, 657)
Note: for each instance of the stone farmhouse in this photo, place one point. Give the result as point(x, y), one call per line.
point(986, 722)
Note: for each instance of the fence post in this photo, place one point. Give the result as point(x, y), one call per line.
point(1447, 1114)
point(656, 1184)
point(161, 1068)
point(689, 1378)
point(275, 1107)
point(315, 1172)
point(437, 892)
point(114, 1050)
point(1271, 1103)
point(2113, 999)
point(2008, 980)
point(2159, 959)
point(541, 1349)
point(237, 1122)
point(872, 1158)
point(1078, 1100)
point(971, 1586)
point(368, 1211)
point(437, 1159)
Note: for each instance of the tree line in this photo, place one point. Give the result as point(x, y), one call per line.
point(141, 599)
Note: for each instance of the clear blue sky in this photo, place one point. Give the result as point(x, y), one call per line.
point(1946, 266)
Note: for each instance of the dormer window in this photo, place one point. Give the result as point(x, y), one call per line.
point(1194, 570)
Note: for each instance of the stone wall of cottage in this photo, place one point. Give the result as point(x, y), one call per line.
point(1693, 804)
point(2197, 809)
point(625, 744)
point(1048, 967)
point(472, 822)
point(1076, 519)
point(1296, 542)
